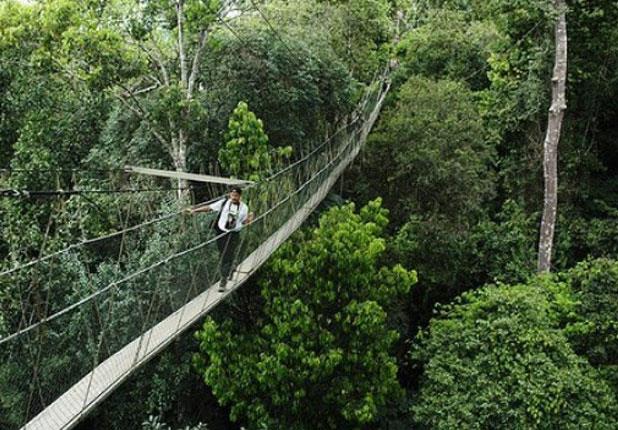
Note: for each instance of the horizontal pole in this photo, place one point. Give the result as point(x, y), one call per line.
point(183, 175)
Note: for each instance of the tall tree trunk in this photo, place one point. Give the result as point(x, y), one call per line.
point(550, 146)
point(181, 164)
point(176, 139)
point(181, 42)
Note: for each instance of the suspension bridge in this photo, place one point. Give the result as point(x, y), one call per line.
point(81, 329)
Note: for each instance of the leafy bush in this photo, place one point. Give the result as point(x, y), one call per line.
point(595, 284)
point(497, 358)
point(318, 355)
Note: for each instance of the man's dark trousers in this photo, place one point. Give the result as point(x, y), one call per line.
point(228, 246)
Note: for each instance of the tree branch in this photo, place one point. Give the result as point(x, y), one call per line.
point(181, 43)
point(195, 68)
point(139, 111)
point(157, 61)
point(136, 92)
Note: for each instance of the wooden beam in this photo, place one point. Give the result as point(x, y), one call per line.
point(188, 176)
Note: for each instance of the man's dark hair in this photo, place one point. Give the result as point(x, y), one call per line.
point(236, 190)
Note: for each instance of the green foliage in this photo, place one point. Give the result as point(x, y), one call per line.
point(428, 155)
point(456, 156)
point(318, 355)
point(201, 14)
point(501, 50)
point(579, 237)
point(595, 284)
point(447, 46)
point(497, 358)
point(59, 64)
point(451, 260)
point(152, 17)
point(361, 32)
point(504, 248)
point(298, 87)
point(51, 52)
point(56, 135)
point(431, 159)
point(154, 423)
point(593, 79)
point(246, 153)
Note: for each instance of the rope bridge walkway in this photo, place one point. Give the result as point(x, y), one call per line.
point(82, 324)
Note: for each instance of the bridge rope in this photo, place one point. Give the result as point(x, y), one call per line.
point(105, 332)
point(355, 119)
point(163, 261)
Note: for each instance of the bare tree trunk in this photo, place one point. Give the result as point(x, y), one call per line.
point(189, 54)
point(195, 67)
point(181, 42)
point(189, 75)
point(180, 162)
point(550, 146)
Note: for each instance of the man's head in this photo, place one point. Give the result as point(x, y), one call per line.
point(235, 193)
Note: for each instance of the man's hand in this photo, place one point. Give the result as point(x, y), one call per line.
point(194, 210)
point(250, 218)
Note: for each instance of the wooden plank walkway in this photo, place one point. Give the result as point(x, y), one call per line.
point(68, 409)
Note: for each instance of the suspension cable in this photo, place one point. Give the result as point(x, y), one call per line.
point(170, 257)
point(98, 239)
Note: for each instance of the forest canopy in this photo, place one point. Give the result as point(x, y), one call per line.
point(413, 297)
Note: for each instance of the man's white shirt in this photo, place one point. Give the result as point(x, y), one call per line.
point(230, 212)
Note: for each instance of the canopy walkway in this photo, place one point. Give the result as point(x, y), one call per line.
point(66, 359)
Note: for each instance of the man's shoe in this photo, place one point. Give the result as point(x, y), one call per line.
point(222, 284)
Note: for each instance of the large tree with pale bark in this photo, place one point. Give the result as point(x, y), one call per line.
point(552, 138)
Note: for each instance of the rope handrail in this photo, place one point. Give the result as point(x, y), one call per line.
point(115, 334)
point(169, 216)
point(97, 239)
point(171, 257)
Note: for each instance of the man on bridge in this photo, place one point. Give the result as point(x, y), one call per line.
point(233, 216)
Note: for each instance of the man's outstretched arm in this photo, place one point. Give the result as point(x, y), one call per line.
point(197, 209)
